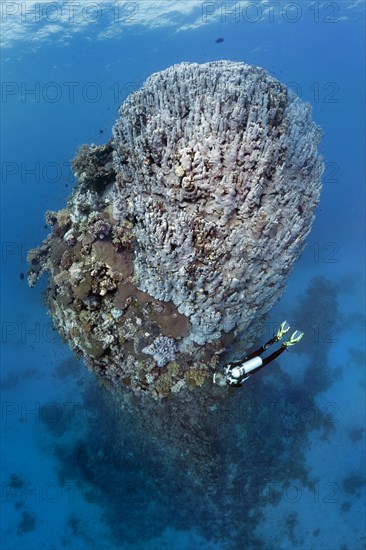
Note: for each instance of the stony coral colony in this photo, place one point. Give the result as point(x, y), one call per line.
point(183, 228)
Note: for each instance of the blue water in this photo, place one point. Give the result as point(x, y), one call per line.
point(63, 81)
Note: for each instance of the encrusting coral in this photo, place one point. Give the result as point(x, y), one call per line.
point(183, 229)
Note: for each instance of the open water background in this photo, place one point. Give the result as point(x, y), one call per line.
point(64, 75)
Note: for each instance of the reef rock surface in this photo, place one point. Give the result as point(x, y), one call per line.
point(182, 230)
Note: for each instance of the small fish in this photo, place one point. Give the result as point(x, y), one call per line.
point(219, 40)
point(21, 276)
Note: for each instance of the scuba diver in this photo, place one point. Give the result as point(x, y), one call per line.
point(236, 372)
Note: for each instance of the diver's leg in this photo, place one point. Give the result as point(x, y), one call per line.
point(270, 358)
point(255, 353)
point(294, 339)
point(261, 349)
point(284, 327)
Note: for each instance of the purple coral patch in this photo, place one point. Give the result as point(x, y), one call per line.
point(163, 349)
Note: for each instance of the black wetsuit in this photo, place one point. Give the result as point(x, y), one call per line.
point(257, 353)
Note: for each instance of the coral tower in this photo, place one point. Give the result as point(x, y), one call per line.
point(183, 229)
